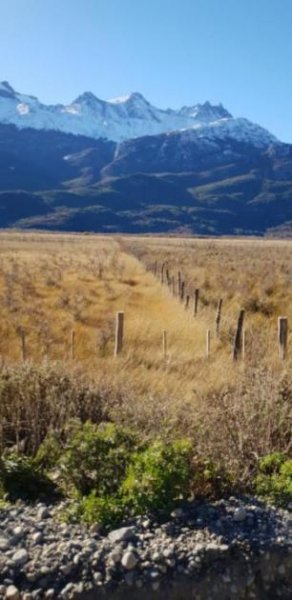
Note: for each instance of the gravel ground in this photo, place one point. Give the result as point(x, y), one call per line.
point(235, 548)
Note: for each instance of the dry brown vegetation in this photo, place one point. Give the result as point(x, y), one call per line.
point(53, 284)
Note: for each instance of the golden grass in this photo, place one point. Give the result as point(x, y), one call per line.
point(51, 284)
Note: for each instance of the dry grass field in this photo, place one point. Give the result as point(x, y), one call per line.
point(53, 284)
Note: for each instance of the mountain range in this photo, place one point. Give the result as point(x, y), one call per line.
point(123, 165)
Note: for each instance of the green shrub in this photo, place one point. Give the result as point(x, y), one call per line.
point(106, 510)
point(21, 478)
point(274, 480)
point(96, 458)
point(158, 476)
point(208, 480)
point(271, 463)
point(49, 452)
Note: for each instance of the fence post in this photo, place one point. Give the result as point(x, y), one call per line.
point(179, 284)
point(218, 316)
point(23, 345)
point(162, 273)
point(282, 337)
point(208, 343)
point(119, 333)
point(182, 290)
point(237, 348)
point(72, 345)
point(164, 343)
point(196, 301)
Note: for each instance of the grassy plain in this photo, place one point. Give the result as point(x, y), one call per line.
point(53, 284)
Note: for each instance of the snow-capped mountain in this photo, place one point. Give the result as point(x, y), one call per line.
point(126, 118)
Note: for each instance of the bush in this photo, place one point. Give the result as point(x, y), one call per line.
point(49, 452)
point(106, 510)
point(274, 481)
point(209, 480)
point(96, 458)
point(21, 478)
point(158, 477)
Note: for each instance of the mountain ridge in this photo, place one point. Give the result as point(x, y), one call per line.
point(120, 119)
point(226, 176)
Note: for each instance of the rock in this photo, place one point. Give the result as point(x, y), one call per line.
point(37, 537)
point(68, 589)
point(4, 544)
point(18, 532)
point(123, 534)
point(43, 513)
point(12, 593)
point(129, 560)
point(154, 574)
point(156, 557)
point(240, 514)
point(177, 513)
point(116, 555)
point(20, 557)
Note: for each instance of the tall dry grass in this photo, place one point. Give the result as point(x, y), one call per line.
point(53, 284)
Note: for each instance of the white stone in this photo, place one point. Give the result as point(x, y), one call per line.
point(12, 593)
point(129, 560)
point(20, 557)
point(37, 537)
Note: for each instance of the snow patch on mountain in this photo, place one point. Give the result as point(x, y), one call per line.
point(124, 118)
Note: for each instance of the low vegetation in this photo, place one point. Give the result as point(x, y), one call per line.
point(143, 431)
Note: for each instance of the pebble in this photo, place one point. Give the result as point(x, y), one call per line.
point(58, 560)
point(121, 535)
point(129, 560)
point(240, 515)
point(4, 544)
point(20, 557)
point(43, 513)
point(12, 593)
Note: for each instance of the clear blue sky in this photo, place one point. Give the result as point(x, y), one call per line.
point(175, 52)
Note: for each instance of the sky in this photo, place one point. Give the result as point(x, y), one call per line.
point(174, 52)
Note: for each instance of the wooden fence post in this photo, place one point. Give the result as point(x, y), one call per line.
point(23, 345)
point(72, 348)
point(196, 301)
point(237, 348)
point(164, 343)
point(119, 333)
point(167, 277)
point(218, 316)
point(162, 273)
point(283, 336)
point(179, 284)
point(182, 290)
point(208, 343)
